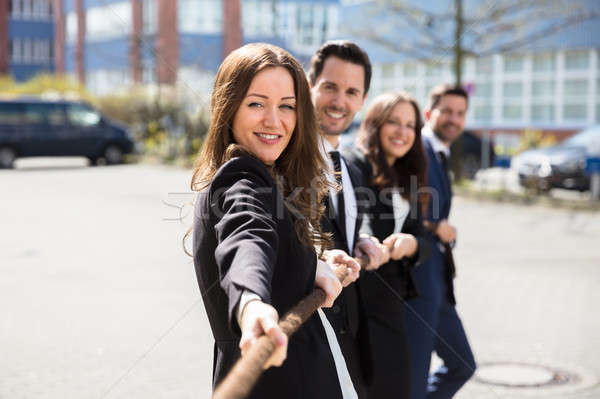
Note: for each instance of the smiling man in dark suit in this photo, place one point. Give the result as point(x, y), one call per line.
point(339, 76)
point(432, 322)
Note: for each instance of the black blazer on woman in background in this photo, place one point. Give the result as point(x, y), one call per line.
point(244, 239)
point(385, 289)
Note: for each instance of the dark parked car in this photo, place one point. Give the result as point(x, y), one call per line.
point(35, 127)
point(562, 165)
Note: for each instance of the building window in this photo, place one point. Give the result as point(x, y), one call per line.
point(410, 69)
point(576, 59)
point(258, 17)
point(412, 90)
point(27, 51)
point(511, 112)
point(483, 113)
point(483, 90)
point(15, 48)
point(542, 100)
point(575, 93)
point(513, 63)
point(149, 17)
point(388, 71)
point(576, 88)
point(575, 112)
point(513, 89)
point(544, 62)
point(201, 16)
point(484, 66)
point(542, 88)
point(305, 18)
point(26, 9)
point(71, 28)
point(542, 112)
point(598, 113)
point(108, 21)
point(434, 69)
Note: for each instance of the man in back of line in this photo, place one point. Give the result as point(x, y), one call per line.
point(432, 323)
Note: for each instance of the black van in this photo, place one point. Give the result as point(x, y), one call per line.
point(36, 127)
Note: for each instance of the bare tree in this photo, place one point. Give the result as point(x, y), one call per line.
point(459, 28)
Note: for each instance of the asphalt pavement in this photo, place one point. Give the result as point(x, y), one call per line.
point(98, 299)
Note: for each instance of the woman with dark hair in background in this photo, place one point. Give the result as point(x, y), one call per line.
point(254, 251)
point(391, 156)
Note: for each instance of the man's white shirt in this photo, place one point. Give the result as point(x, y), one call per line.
point(349, 197)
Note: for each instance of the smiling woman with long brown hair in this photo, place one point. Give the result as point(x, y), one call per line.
point(257, 223)
point(391, 156)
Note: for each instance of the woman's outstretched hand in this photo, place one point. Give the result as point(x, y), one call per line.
point(259, 318)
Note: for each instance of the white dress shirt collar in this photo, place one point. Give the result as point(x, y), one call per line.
point(437, 144)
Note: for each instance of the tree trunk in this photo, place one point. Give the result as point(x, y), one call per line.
point(457, 154)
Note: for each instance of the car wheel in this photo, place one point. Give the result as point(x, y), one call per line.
point(7, 157)
point(113, 155)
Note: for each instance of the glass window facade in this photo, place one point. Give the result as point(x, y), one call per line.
point(109, 21)
point(513, 63)
point(201, 16)
point(544, 62)
point(577, 59)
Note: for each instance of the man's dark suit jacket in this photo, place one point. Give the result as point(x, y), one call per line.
point(439, 206)
point(245, 239)
point(347, 315)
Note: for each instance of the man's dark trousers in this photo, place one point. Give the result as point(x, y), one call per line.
point(432, 323)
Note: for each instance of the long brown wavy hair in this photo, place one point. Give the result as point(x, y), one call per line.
point(413, 163)
point(300, 165)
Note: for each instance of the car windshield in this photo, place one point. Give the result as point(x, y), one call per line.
point(589, 139)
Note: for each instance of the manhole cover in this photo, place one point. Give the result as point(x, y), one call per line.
point(522, 375)
point(533, 378)
point(515, 375)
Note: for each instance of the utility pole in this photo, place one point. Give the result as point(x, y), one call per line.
point(80, 46)
point(232, 26)
point(59, 36)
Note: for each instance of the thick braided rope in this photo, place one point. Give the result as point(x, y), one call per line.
point(244, 374)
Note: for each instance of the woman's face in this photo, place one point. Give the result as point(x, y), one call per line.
point(397, 134)
point(266, 118)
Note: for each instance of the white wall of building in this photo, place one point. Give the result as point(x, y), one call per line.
point(554, 89)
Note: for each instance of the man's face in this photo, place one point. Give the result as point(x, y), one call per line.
point(447, 119)
point(338, 94)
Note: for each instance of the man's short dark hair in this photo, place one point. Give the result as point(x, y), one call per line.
point(344, 50)
point(436, 94)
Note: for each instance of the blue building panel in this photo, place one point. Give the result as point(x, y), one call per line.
point(22, 72)
point(113, 54)
point(201, 50)
point(70, 58)
point(31, 29)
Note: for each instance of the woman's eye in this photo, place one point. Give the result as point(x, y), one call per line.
point(288, 106)
point(255, 105)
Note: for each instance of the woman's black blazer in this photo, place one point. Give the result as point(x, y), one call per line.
point(244, 238)
point(383, 293)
